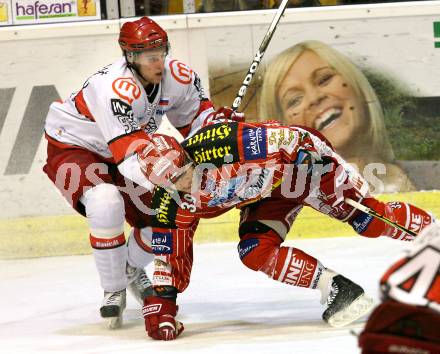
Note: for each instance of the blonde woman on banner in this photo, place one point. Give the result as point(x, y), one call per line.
point(318, 87)
point(86, 7)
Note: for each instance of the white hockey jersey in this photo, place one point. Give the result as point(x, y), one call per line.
point(113, 112)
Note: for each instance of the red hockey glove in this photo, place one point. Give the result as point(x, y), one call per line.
point(161, 159)
point(226, 113)
point(159, 314)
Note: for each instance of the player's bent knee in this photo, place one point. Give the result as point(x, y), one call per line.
point(142, 238)
point(139, 247)
point(257, 251)
point(104, 208)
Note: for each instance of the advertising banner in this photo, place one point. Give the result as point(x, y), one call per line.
point(389, 127)
point(5, 12)
point(366, 80)
point(369, 85)
point(48, 11)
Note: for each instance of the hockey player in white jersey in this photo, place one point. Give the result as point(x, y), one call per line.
point(92, 137)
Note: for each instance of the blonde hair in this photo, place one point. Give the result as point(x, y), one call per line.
point(375, 138)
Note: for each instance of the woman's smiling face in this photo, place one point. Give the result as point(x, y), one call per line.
point(317, 96)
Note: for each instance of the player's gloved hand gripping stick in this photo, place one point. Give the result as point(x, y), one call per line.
point(371, 212)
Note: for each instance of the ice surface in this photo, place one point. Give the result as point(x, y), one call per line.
point(50, 305)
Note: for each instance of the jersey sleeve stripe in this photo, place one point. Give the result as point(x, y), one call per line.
point(82, 107)
point(125, 145)
point(184, 130)
point(200, 119)
point(205, 104)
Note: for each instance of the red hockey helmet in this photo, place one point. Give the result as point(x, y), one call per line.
point(142, 34)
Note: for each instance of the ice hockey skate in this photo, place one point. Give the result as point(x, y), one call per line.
point(346, 301)
point(113, 307)
point(139, 285)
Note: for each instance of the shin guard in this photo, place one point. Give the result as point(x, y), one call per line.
point(105, 215)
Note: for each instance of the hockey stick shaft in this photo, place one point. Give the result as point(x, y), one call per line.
point(259, 56)
point(371, 212)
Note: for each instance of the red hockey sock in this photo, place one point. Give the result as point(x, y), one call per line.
point(297, 268)
point(262, 252)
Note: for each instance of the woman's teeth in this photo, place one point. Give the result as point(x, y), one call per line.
point(327, 117)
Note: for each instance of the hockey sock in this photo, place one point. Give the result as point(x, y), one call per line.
point(297, 268)
point(262, 252)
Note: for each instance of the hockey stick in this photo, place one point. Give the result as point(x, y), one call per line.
point(258, 56)
point(371, 212)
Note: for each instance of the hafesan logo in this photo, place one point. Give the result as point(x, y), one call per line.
point(126, 88)
point(43, 9)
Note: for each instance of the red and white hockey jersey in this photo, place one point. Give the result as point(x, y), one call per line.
point(240, 163)
point(415, 278)
point(112, 112)
point(258, 157)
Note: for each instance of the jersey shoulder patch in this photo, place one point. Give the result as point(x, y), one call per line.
point(126, 88)
point(181, 72)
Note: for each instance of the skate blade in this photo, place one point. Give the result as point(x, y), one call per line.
point(358, 308)
point(114, 322)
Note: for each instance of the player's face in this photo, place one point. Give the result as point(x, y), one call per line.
point(315, 95)
point(184, 182)
point(151, 64)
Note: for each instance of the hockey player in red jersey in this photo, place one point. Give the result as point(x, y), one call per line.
point(92, 136)
point(270, 172)
point(408, 319)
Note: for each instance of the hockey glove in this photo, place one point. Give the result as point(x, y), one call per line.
point(161, 160)
point(226, 113)
point(159, 314)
